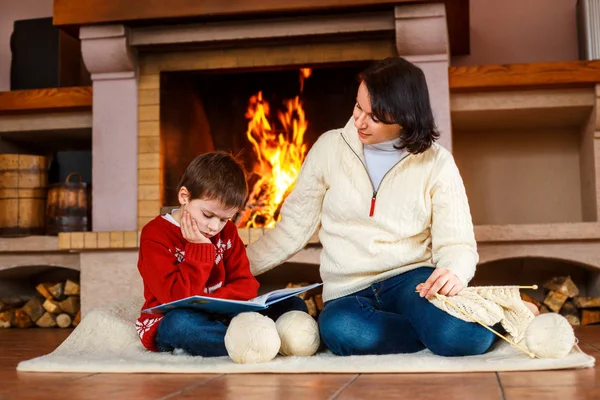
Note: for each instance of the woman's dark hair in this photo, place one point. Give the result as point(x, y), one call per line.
point(399, 95)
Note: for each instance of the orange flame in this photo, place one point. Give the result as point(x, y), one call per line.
point(279, 155)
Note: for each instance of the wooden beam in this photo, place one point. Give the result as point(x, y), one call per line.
point(521, 75)
point(576, 231)
point(70, 14)
point(53, 99)
point(29, 244)
point(76, 12)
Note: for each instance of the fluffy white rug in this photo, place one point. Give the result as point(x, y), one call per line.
point(106, 341)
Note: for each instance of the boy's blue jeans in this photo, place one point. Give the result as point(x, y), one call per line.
point(390, 317)
point(202, 334)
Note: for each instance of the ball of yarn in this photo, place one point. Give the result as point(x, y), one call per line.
point(299, 334)
point(550, 336)
point(252, 338)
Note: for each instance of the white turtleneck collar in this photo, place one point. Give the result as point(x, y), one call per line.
point(380, 158)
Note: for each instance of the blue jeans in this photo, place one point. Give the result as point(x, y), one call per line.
point(389, 317)
point(202, 334)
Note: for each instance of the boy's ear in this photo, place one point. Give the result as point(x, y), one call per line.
point(183, 195)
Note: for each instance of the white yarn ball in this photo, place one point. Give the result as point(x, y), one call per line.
point(252, 338)
point(550, 336)
point(299, 334)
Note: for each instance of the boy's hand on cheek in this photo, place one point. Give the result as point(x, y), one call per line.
point(190, 230)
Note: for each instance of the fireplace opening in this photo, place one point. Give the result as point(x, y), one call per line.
point(268, 118)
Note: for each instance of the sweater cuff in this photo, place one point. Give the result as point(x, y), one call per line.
point(200, 253)
point(462, 265)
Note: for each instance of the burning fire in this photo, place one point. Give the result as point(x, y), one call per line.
point(280, 154)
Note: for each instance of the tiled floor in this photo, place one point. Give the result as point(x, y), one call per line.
point(17, 345)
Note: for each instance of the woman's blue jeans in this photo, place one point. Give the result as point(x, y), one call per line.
point(390, 317)
point(202, 334)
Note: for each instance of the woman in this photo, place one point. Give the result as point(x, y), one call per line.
point(394, 218)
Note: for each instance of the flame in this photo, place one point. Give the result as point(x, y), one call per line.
point(279, 155)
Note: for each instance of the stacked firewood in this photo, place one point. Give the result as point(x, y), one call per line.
point(561, 295)
point(312, 298)
point(56, 305)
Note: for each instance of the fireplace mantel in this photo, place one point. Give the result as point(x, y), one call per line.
point(71, 14)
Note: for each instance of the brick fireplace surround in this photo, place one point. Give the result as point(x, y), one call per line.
point(126, 60)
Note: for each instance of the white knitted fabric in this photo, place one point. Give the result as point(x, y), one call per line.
point(490, 305)
point(420, 217)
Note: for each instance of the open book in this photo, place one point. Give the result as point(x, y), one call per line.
point(231, 307)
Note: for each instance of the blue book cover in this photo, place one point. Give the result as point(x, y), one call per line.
point(230, 307)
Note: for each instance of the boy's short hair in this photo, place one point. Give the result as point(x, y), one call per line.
point(216, 176)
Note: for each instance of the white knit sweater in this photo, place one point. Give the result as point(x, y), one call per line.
point(421, 217)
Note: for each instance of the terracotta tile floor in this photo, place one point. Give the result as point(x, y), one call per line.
point(17, 345)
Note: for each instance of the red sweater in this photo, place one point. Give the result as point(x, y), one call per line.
point(172, 269)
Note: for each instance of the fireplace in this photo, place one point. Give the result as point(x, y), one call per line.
point(168, 90)
point(176, 81)
point(269, 118)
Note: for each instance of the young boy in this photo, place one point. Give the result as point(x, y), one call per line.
point(196, 250)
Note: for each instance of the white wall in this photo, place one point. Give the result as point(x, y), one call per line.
point(521, 31)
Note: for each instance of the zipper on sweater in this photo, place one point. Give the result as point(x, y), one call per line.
point(373, 200)
point(374, 197)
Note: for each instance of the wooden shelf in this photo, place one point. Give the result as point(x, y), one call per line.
point(53, 99)
point(30, 244)
point(33, 253)
point(488, 77)
point(43, 120)
point(483, 233)
point(577, 231)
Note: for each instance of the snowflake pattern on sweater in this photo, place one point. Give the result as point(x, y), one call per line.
point(173, 269)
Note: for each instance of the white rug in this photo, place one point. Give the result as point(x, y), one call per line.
point(106, 341)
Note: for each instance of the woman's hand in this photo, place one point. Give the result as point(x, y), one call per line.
point(442, 281)
point(190, 230)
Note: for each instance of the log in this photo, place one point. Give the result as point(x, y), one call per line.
point(77, 318)
point(70, 305)
point(63, 320)
point(6, 318)
point(312, 307)
point(555, 300)
point(587, 302)
point(52, 306)
point(304, 295)
point(71, 288)
point(589, 317)
point(562, 284)
point(34, 308)
point(58, 291)
point(526, 297)
point(42, 289)
point(544, 309)
point(571, 313)
point(46, 321)
point(319, 301)
point(21, 319)
point(8, 303)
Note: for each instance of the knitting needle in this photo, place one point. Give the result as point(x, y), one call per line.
point(484, 325)
point(534, 287)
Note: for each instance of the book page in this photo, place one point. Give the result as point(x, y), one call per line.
point(275, 295)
